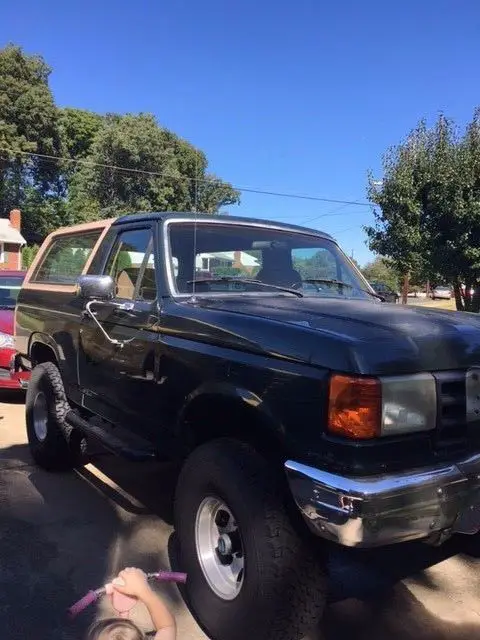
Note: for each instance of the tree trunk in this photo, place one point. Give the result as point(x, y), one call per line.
point(475, 304)
point(457, 290)
point(467, 296)
point(406, 279)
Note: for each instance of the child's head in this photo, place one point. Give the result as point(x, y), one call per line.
point(115, 629)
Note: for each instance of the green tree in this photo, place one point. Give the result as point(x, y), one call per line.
point(428, 215)
point(213, 194)
point(382, 270)
point(106, 166)
point(28, 255)
point(163, 172)
point(28, 123)
point(78, 129)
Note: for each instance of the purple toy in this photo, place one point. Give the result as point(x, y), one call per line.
point(94, 595)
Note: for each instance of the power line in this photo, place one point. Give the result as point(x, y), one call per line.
point(357, 226)
point(334, 211)
point(277, 194)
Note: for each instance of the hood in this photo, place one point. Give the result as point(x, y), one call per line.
point(348, 335)
point(7, 321)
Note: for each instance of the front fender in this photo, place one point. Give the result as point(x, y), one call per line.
point(239, 396)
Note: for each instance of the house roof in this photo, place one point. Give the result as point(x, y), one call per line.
point(10, 234)
point(245, 258)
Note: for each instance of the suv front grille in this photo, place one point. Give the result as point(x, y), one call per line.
point(451, 409)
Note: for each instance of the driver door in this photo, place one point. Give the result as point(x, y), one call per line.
point(118, 381)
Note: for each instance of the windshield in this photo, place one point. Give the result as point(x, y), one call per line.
point(9, 289)
point(312, 264)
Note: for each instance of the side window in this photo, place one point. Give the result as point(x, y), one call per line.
point(66, 257)
point(132, 265)
point(147, 289)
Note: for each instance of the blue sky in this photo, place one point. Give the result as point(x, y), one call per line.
point(299, 97)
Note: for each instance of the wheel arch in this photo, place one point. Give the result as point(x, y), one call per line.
point(42, 348)
point(219, 410)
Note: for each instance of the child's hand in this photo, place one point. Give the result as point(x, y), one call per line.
point(131, 582)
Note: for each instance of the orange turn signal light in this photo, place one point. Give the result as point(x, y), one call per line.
point(355, 407)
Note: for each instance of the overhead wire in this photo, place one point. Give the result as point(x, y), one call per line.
point(194, 179)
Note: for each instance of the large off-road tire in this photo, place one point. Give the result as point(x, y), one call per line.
point(228, 500)
point(51, 441)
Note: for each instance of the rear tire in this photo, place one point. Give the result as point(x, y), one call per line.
point(280, 592)
point(52, 442)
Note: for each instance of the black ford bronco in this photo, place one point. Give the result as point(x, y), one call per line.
point(299, 405)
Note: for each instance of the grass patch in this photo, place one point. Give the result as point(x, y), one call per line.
point(449, 305)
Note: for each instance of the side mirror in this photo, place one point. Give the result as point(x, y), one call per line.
point(96, 287)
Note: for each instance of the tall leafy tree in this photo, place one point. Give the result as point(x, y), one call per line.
point(428, 207)
point(78, 129)
point(28, 123)
point(138, 166)
point(397, 231)
point(107, 165)
point(382, 270)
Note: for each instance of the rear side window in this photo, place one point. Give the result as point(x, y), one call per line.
point(66, 257)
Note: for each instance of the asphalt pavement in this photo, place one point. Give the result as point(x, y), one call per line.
point(63, 534)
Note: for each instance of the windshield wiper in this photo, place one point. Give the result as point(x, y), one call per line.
point(258, 283)
point(340, 283)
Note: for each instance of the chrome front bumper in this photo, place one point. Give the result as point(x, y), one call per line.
point(385, 509)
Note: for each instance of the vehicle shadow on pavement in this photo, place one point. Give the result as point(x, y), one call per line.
point(395, 615)
point(368, 600)
point(150, 484)
point(12, 397)
point(59, 537)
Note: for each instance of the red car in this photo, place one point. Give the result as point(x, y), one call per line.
point(10, 284)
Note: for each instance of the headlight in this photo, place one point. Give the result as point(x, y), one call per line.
point(364, 408)
point(6, 341)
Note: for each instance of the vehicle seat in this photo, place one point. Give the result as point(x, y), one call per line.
point(277, 268)
point(125, 282)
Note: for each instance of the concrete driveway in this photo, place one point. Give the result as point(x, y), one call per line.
point(61, 535)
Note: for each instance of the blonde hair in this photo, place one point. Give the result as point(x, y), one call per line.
point(114, 629)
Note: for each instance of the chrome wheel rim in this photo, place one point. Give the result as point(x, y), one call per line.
point(40, 416)
point(219, 548)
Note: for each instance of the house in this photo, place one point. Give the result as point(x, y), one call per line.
point(11, 241)
point(236, 259)
point(207, 262)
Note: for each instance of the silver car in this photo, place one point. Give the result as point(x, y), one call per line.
point(442, 293)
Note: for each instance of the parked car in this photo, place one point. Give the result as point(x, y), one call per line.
point(10, 284)
point(442, 293)
point(385, 291)
point(300, 408)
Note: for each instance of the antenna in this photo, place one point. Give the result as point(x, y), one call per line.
point(195, 209)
